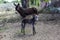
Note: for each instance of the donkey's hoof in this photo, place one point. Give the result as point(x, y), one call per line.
point(23, 33)
point(34, 33)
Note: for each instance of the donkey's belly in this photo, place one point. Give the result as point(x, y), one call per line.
point(29, 21)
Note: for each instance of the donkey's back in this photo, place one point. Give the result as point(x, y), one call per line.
point(31, 11)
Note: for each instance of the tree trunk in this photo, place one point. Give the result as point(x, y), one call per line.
point(25, 3)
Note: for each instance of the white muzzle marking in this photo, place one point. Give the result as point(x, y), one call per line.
point(36, 17)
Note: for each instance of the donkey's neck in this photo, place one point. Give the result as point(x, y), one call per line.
point(21, 12)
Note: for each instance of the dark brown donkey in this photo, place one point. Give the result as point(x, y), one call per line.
point(26, 12)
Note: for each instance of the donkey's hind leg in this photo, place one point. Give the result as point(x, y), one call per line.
point(23, 28)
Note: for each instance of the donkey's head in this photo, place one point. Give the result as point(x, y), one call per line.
point(36, 17)
point(17, 6)
point(19, 9)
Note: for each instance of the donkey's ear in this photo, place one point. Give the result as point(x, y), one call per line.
point(18, 4)
point(14, 4)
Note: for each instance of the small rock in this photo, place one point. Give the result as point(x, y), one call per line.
point(4, 35)
point(1, 36)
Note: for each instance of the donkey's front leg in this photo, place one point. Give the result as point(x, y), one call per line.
point(23, 28)
point(34, 32)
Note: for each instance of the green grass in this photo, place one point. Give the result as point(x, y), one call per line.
point(2, 29)
point(18, 32)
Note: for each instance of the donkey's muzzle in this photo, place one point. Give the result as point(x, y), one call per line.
point(36, 17)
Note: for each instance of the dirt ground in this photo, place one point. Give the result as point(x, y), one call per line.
point(46, 30)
